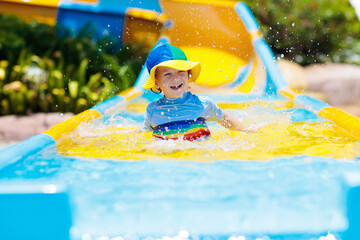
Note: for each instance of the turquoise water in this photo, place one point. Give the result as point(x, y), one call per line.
point(215, 199)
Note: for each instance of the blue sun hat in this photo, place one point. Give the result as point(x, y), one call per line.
point(166, 55)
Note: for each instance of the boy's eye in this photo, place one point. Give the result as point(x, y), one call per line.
point(167, 74)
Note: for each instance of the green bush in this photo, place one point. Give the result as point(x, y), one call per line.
point(43, 72)
point(309, 31)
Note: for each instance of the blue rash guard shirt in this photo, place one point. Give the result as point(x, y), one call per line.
point(176, 118)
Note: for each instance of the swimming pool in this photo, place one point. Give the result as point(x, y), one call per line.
point(256, 186)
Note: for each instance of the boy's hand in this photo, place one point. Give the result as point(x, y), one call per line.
point(232, 123)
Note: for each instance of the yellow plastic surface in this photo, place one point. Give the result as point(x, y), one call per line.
point(212, 33)
point(343, 119)
point(247, 85)
point(88, 1)
point(217, 67)
point(130, 93)
point(142, 27)
point(222, 3)
point(277, 140)
point(146, 15)
point(47, 3)
point(288, 93)
point(69, 125)
point(39, 10)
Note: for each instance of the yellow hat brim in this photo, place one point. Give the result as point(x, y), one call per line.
point(181, 65)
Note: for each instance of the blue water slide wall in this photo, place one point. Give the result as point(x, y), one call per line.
point(313, 104)
point(24, 149)
point(34, 212)
point(269, 61)
point(352, 183)
point(106, 17)
point(107, 104)
point(247, 17)
point(275, 80)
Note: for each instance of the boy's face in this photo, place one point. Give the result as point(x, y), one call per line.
point(172, 82)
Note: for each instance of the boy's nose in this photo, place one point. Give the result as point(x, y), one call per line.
point(177, 75)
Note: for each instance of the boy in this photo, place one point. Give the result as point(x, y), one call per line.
point(179, 114)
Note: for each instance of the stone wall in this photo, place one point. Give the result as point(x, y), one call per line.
point(18, 128)
point(336, 84)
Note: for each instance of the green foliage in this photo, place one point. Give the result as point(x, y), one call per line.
point(309, 31)
point(42, 72)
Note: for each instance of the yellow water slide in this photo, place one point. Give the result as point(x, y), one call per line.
point(224, 36)
point(213, 34)
point(236, 62)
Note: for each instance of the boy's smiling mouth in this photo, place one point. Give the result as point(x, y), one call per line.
point(176, 87)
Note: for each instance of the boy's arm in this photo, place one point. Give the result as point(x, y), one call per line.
point(232, 123)
point(227, 121)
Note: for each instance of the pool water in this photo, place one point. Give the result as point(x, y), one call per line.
point(220, 198)
point(280, 132)
point(285, 181)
